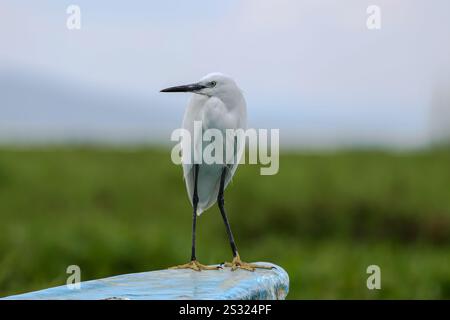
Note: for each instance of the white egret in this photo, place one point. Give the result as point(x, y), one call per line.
point(219, 104)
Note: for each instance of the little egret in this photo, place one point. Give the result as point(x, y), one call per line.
point(219, 104)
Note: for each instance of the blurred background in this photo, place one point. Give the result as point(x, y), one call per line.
point(364, 118)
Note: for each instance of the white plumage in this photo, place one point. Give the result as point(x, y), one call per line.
point(221, 106)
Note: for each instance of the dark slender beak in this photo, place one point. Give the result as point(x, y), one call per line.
point(186, 88)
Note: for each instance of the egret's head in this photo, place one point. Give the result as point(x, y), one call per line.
point(212, 85)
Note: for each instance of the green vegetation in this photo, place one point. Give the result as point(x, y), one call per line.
point(324, 218)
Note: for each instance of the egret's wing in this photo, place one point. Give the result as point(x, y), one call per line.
point(232, 166)
point(239, 144)
point(193, 113)
point(217, 116)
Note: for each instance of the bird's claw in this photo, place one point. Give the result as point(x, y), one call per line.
point(196, 266)
point(237, 263)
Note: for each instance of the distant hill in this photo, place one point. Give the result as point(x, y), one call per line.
point(440, 112)
point(40, 108)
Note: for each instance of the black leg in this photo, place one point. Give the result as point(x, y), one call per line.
point(194, 264)
point(194, 215)
point(221, 203)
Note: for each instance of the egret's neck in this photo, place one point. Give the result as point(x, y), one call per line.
point(232, 99)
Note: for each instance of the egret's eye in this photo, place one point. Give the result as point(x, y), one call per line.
point(212, 84)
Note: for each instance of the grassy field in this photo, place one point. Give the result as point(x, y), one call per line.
point(324, 218)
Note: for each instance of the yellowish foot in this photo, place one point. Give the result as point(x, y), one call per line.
point(238, 264)
point(195, 265)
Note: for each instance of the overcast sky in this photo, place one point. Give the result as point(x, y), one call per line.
point(310, 68)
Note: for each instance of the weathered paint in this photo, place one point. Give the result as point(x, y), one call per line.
point(222, 284)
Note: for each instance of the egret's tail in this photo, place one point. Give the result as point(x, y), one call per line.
point(208, 199)
point(208, 185)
